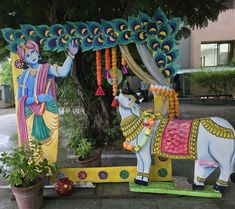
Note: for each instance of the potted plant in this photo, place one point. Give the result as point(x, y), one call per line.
point(84, 150)
point(25, 169)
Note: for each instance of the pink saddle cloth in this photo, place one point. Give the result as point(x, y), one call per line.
point(176, 139)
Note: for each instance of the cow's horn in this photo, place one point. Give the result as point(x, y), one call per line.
point(141, 100)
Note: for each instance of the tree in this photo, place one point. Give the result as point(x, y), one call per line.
point(5, 73)
point(35, 12)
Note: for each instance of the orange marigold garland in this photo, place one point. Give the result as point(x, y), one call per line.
point(114, 70)
point(173, 99)
point(124, 65)
point(107, 63)
point(99, 91)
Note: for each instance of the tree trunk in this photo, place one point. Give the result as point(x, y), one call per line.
point(97, 108)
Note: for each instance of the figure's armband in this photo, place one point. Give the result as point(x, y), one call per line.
point(54, 70)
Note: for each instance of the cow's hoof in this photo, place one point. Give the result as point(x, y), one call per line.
point(140, 182)
point(232, 177)
point(198, 187)
point(219, 188)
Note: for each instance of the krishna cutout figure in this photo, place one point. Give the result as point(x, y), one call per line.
point(38, 117)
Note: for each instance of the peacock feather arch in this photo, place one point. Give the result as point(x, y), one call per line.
point(156, 33)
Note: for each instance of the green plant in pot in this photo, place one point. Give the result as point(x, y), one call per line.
point(84, 150)
point(25, 169)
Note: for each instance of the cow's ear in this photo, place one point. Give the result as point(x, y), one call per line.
point(135, 109)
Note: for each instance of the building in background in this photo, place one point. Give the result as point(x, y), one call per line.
point(208, 48)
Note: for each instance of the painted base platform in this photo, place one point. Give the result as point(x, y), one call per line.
point(169, 188)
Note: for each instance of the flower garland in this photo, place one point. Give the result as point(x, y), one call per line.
point(148, 122)
point(114, 70)
point(107, 63)
point(124, 65)
point(99, 91)
point(173, 99)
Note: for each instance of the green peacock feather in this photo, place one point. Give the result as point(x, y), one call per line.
point(157, 32)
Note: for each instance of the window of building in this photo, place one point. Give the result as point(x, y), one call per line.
point(215, 54)
point(230, 4)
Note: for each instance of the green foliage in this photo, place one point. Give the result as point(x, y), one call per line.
point(24, 165)
point(114, 131)
point(82, 148)
point(5, 73)
point(67, 93)
point(232, 62)
point(217, 82)
point(75, 124)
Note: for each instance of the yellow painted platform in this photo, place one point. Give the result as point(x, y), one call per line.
point(109, 174)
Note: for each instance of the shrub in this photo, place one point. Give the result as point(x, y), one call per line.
point(217, 82)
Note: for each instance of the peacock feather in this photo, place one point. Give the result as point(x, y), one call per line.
point(28, 30)
point(169, 70)
point(160, 59)
point(57, 30)
point(63, 42)
point(98, 42)
point(124, 37)
point(164, 31)
point(157, 32)
point(120, 25)
point(12, 47)
point(81, 29)
point(144, 19)
point(152, 29)
point(8, 34)
point(18, 34)
point(43, 31)
point(153, 43)
point(70, 29)
point(134, 24)
point(172, 55)
point(168, 44)
point(175, 25)
point(50, 44)
point(94, 28)
point(159, 17)
point(110, 41)
point(139, 36)
point(87, 43)
point(107, 27)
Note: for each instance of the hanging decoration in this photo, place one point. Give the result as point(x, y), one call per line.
point(156, 32)
point(114, 70)
point(99, 91)
point(124, 65)
point(173, 99)
point(107, 63)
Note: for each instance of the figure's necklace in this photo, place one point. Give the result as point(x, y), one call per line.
point(131, 126)
point(33, 71)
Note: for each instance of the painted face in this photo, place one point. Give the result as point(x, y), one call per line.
point(31, 56)
point(125, 100)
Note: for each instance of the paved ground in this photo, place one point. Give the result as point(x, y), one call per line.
point(116, 195)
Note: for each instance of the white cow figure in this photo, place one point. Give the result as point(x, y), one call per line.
point(211, 151)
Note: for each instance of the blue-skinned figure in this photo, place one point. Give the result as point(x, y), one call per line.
point(38, 117)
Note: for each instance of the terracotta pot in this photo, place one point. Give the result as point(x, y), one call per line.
point(93, 161)
point(64, 186)
point(30, 197)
